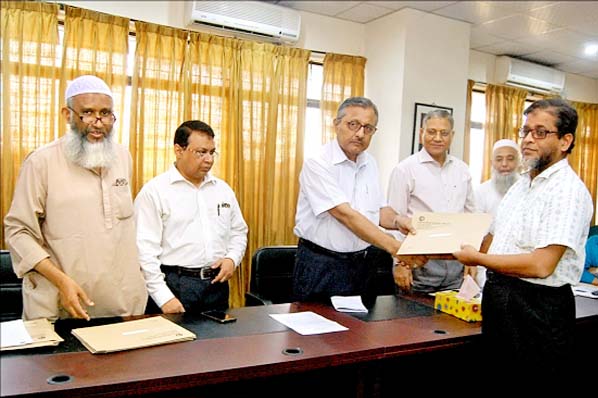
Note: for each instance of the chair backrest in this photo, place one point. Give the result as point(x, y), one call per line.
point(11, 302)
point(272, 273)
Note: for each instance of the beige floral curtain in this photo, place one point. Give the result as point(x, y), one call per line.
point(504, 117)
point(343, 78)
point(96, 44)
point(584, 157)
point(29, 87)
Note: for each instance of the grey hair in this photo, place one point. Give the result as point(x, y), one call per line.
point(439, 114)
point(361, 102)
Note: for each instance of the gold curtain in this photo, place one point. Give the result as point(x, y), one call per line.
point(584, 157)
point(343, 78)
point(272, 102)
point(96, 44)
point(29, 80)
point(467, 132)
point(253, 95)
point(157, 100)
point(504, 116)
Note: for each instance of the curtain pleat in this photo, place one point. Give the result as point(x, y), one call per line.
point(343, 78)
point(504, 117)
point(29, 83)
point(96, 44)
point(584, 157)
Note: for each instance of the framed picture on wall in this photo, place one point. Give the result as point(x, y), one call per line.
point(418, 121)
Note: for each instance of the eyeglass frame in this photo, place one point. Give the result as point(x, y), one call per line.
point(443, 133)
point(201, 154)
point(523, 133)
point(364, 126)
point(112, 115)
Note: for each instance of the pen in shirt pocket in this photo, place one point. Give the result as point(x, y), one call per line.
point(218, 209)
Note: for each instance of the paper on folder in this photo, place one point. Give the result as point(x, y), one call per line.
point(40, 332)
point(129, 335)
point(442, 233)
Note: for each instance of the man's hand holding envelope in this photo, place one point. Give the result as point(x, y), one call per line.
point(440, 234)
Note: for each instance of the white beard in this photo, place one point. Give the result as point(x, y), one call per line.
point(89, 155)
point(502, 182)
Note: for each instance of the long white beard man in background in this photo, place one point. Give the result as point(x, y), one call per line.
point(506, 168)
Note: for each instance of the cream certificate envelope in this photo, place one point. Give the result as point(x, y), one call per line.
point(442, 233)
point(121, 336)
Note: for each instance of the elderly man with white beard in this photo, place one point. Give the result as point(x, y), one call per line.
point(506, 165)
point(70, 229)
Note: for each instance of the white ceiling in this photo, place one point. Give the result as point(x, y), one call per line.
point(551, 33)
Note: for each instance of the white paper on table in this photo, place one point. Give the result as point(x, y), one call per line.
point(348, 304)
point(14, 333)
point(307, 323)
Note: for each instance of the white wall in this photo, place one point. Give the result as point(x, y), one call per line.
point(417, 57)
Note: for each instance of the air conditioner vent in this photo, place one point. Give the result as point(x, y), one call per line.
point(252, 17)
point(531, 76)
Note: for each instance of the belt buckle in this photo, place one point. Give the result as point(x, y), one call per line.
point(207, 273)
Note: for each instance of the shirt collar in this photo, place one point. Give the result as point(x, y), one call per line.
point(338, 156)
point(552, 169)
point(175, 176)
point(424, 157)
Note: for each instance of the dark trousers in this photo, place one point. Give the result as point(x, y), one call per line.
point(320, 273)
point(195, 294)
point(530, 327)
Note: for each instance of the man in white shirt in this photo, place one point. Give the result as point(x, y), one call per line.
point(506, 164)
point(431, 180)
point(535, 252)
point(339, 208)
point(191, 234)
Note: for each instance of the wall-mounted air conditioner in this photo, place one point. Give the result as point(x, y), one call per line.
point(269, 21)
point(533, 77)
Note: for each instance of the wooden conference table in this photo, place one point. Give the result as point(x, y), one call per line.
point(401, 337)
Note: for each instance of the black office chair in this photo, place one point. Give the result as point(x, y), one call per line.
point(11, 302)
point(593, 230)
point(271, 275)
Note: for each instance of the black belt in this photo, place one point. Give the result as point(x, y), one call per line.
point(203, 273)
point(340, 255)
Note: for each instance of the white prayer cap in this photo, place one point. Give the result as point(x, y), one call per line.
point(87, 84)
point(505, 142)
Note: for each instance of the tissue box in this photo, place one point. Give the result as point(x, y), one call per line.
point(468, 310)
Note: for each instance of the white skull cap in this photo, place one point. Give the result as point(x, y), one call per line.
point(87, 84)
point(505, 142)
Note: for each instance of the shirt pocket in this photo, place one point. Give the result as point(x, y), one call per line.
point(123, 201)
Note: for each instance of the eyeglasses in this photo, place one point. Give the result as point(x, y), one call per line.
point(538, 133)
point(203, 153)
point(368, 129)
point(89, 117)
point(434, 133)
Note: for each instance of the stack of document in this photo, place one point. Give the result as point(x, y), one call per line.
point(585, 290)
point(348, 304)
point(18, 334)
point(133, 334)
